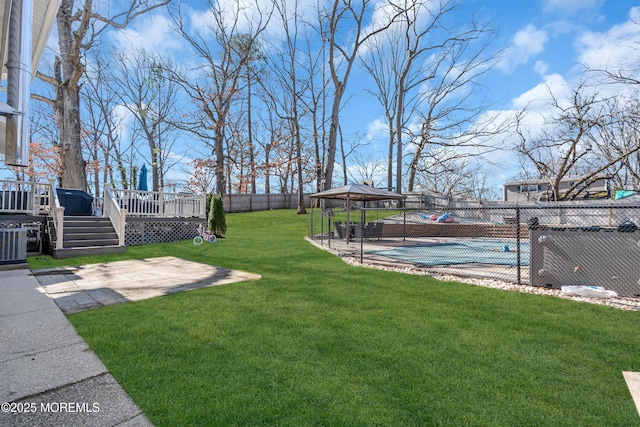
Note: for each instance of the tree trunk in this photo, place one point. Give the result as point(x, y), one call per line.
point(267, 169)
point(74, 174)
point(252, 160)
point(219, 154)
point(333, 136)
point(390, 158)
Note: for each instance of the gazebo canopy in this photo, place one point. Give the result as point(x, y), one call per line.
point(360, 192)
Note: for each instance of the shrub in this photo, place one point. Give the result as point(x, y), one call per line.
point(216, 216)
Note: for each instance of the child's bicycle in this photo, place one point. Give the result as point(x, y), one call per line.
point(203, 234)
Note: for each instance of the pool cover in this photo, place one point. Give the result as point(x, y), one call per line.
point(471, 251)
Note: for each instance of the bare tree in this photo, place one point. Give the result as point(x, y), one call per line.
point(565, 145)
point(144, 89)
point(204, 176)
point(426, 65)
point(381, 63)
point(618, 143)
point(624, 72)
point(103, 125)
point(621, 136)
point(283, 63)
point(443, 170)
point(78, 31)
point(343, 49)
point(215, 87)
point(315, 100)
point(367, 167)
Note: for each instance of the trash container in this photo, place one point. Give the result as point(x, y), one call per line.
point(75, 202)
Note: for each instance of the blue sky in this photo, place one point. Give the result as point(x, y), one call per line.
point(547, 37)
point(546, 44)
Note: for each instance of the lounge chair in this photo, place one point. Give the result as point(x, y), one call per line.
point(376, 230)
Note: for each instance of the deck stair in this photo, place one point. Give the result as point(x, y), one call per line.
point(87, 235)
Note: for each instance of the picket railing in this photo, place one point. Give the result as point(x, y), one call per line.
point(161, 204)
point(57, 213)
point(34, 198)
point(25, 197)
point(115, 213)
point(38, 198)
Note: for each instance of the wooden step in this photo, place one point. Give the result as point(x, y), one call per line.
point(96, 241)
point(88, 235)
point(88, 251)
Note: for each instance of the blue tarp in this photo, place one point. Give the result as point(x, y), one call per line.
point(467, 251)
point(75, 202)
point(621, 194)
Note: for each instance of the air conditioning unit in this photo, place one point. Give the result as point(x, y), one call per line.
point(13, 245)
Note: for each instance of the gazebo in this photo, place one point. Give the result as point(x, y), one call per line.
point(357, 192)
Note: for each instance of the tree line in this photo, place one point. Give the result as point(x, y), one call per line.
point(262, 108)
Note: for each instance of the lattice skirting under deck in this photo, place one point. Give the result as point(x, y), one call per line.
point(141, 231)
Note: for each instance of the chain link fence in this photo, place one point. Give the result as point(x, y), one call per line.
point(541, 245)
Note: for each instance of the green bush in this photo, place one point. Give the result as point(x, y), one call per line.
point(216, 217)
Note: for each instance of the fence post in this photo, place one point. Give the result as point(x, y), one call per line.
point(519, 263)
point(361, 225)
point(59, 213)
point(122, 227)
point(34, 198)
point(161, 201)
point(404, 225)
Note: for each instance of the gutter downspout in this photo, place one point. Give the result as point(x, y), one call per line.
point(19, 78)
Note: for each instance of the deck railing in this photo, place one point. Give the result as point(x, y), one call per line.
point(161, 204)
point(38, 198)
point(25, 197)
point(115, 213)
point(57, 213)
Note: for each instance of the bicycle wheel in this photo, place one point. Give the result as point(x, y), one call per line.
point(197, 240)
point(212, 238)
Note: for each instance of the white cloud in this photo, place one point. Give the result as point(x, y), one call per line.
point(155, 35)
point(377, 129)
point(541, 67)
point(247, 15)
point(617, 48)
point(386, 11)
point(526, 43)
point(538, 97)
point(530, 41)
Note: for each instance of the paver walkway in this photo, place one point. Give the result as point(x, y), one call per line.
point(49, 376)
point(95, 285)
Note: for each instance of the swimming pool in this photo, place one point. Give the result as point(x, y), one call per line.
point(463, 251)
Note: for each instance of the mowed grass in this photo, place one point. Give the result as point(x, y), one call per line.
point(319, 342)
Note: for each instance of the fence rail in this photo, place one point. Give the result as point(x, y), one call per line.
point(549, 246)
point(160, 204)
point(25, 197)
point(261, 202)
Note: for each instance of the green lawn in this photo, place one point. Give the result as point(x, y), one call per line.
point(318, 342)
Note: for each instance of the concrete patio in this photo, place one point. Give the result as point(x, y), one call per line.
point(96, 285)
point(50, 376)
